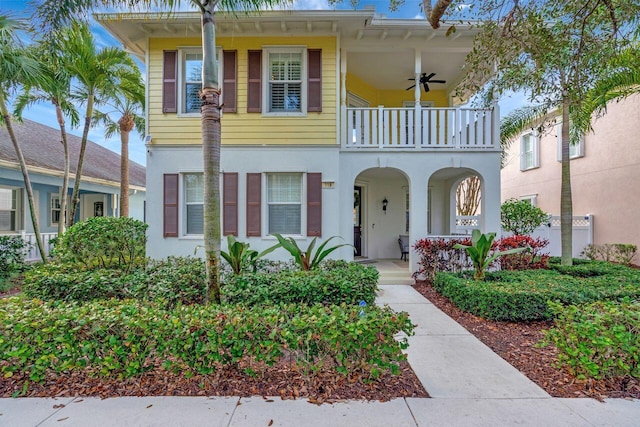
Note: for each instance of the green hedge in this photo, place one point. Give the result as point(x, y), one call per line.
point(171, 281)
point(523, 295)
point(337, 282)
point(120, 339)
point(598, 340)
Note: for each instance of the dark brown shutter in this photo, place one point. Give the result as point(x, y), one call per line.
point(254, 195)
point(229, 79)
point(169, 81)
point(230, 203)
point(254, 86)
point(170, 205)
point(314, 204)
point(314, 84)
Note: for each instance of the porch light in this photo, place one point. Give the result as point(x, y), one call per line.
point(385, 202)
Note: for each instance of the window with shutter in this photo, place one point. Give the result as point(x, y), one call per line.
point(314, 80)
point(254, 204)
point(314, 204)
point(190, 79)
point(229, 85)
point(170, 205)
point(284, 203)
point(169, 81)
point(285, 76)
point(194, 203)
point(254, 84)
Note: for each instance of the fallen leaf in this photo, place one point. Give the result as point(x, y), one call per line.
point(270, 423)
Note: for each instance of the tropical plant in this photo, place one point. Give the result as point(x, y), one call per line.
point(55, 88)
point(56, 13)
point(18, 66)
point(520, 217)
point(481, 245)
point(308, 259)
point(129, 105)
point(100, 74)
point(240, 257)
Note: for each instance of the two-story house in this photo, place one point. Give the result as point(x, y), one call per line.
point(605, 171)
point(325, 131)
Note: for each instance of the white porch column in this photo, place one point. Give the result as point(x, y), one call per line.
point(343, 97)
point(491, 195)
point(417, 213)
point(417, 121)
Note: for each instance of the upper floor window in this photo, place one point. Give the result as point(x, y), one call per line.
point(10, 213)
point(284, 200)
point(575, 150)
point(191, 79)
point(194, 203)
point(529, 151)
point(285, 71)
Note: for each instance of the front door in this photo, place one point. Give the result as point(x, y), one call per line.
point(357, 220)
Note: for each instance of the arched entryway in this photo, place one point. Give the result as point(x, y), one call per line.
point(454, 201)
point(380, 212)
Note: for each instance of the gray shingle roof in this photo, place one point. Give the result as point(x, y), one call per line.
point(41, 147)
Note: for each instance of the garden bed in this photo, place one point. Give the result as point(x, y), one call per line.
point(516, 343)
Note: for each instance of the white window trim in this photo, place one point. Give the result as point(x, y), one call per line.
point(303, 205)
point(580, 145)
point(266, 51)
point(182, 212)
point(532, 198)
point(182, 50)
point(19, 209)
point(536, 151)
point(52, 198)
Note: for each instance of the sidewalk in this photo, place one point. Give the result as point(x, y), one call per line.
point(469, 385)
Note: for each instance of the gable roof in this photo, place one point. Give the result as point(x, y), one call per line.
point(42, 148)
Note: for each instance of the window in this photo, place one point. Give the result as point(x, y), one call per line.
point(194, 203)
point(54, 203)
point(286, 80)
point(191, 79)
point(10, 212)
point(529, 151)
point(575, 150)
point(284, 200)
point(531, 198)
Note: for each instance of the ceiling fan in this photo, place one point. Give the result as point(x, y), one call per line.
point(425, 80)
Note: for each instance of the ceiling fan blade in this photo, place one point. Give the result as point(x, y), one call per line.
point(437, 81)
point(426, 87)
point(429, 76)
point(411, 87)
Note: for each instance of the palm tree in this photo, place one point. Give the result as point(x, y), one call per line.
point(99, 74)
point(128, 107)
point(56, 12)
point(54, 88)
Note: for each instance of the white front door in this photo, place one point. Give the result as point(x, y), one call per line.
point(93, 205)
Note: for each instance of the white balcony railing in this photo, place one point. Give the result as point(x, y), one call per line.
point(426, 128)
point(32, 253)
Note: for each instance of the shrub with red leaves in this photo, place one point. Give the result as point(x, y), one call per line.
point(530, 259)
point(440, 255)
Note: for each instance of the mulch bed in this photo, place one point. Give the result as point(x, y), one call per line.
point(283, 380)
point(516, 343)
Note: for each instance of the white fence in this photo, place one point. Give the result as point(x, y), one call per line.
point(582, 232)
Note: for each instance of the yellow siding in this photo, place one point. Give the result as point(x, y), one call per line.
point(392, 98)
point(242, 127)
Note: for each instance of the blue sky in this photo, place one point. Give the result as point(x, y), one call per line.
point(43, 113)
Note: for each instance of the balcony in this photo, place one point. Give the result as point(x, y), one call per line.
point(436, 129)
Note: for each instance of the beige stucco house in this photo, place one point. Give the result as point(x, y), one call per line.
point(605, 173)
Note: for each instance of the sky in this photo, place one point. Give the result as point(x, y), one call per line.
point(44, 113)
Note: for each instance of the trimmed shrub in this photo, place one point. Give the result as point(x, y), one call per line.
point(335, 283)
point(169, 281)
point(615, 252)
point(520, 217)
point(121, 339)
point(103, 242)
point(598, 340)
point(530, 259)
point(12, 250)
point(524, 295)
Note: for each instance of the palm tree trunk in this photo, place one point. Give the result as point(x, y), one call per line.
point(25, 175)
point(64, 190)
point(211, 152)
point(124, 173)
point(566, 202)
point(83, 145)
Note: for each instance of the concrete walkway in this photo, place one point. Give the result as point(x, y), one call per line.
point(469, 385)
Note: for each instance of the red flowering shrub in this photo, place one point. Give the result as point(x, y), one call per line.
point(440, 255)
point(530, 259)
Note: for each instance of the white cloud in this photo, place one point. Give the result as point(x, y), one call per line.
point(419, 16)
point(311, 5)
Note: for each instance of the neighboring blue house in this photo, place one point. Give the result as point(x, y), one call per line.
point(42, 148)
